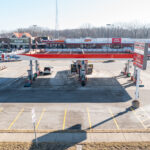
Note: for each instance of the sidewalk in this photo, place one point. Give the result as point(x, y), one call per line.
point(79, 137)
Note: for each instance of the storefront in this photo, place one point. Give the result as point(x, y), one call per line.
point(38, 42)
point(21, 41)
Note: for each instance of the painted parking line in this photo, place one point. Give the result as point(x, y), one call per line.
point(147, 117)
point(114, 119)
point(18, 115)
point(138, 118)
point(89, 117)
point(65, 113)
point(1, 109)
point(41, 116)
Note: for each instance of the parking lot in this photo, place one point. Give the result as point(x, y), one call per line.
point(61, 103)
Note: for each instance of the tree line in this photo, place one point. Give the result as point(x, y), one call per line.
point(119, 30)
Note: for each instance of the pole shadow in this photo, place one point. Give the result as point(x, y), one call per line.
point(60, 140)
point(64, 139)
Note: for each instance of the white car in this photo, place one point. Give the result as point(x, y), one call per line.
point(47, 70)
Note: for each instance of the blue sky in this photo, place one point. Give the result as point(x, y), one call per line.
point(72, 13)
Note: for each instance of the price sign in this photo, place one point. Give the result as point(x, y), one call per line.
point(140, 55)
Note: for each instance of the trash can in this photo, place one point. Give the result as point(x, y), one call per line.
point(135, 104)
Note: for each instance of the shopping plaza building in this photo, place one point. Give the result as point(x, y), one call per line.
point(26, 41)
point(20, 41)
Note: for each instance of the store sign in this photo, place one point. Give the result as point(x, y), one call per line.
point(33, 116)
point(116, 40)
point(19, 41)
point(59, 41)
point(87, 40)
point(140, 55)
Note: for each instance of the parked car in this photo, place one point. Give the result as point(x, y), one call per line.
point(47, 70)
point(1, 55)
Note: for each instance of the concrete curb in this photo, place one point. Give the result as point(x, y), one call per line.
point(77, 131)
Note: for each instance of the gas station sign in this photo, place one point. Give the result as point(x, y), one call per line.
point(116, 40)
point(88, 40)
point(140, 55)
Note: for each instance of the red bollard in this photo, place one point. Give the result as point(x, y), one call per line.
point(132, 78)
point(3, 57)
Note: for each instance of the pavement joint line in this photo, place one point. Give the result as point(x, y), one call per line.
point(145, 120)
point(145, 113)
point(141, 112)
point(64, 121)
point(138, 117)
point(41, 116)
point(18, 115)
point(148, 117)
point(147, 126)
point(89, 119)
point(115, 121)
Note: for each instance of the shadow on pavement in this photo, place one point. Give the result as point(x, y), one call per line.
point(111, 118)
point(64, 139)
point(109, 61)
point(64, 88)
point(60, 140)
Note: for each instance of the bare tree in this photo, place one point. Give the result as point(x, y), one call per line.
point(132, 30)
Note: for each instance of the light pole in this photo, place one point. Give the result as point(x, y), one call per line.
point(108, 25)
point(56, 22)
point(120, 34)
point(34, 30)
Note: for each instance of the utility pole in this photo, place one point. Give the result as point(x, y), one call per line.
point(56, 23)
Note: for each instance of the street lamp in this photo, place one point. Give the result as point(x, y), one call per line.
point(108, 25)
point(34, 30)
point(56, 22)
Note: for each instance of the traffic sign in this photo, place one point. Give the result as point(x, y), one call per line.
point(33, 121)
point(33, 116)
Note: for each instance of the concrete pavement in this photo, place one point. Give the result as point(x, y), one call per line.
point(103, 104)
